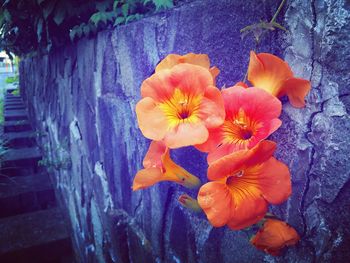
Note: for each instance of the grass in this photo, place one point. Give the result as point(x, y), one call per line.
point(13, 79)
point(15, 92)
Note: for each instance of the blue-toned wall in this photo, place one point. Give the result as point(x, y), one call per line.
point(82, 98)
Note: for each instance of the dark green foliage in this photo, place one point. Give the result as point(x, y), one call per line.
point(32, 26)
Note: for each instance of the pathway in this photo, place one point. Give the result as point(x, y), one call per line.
point(32, 227)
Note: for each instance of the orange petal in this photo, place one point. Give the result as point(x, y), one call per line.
point(186, 134)
point(220, 151)
point(212, 142)
point(214, 71)
point(261, 108)
point(152, 122)
point(158, 86)
point(212, 110)
point(215, 200)
point(190, 79)
point(146, 178)
point(175, 173)
point(154, 155)
point(268, 72)
point(240, 160)
point(275, 181)
point(274, 235)
point(274, 125)
point(256, 103)
point(168, 62)
point(190, 58)
point(241, 84)
point(249, 209)
point(296, 90)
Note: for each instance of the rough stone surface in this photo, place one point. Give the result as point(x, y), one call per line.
point(82, 100)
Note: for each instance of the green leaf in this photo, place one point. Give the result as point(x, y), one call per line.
point(102, 6)
point(48, 8)
point(119, 20)
point(115, 4)
point(2, 17)
point(110, 16)
point(60, 12)
point(125, 9)
point(39, 29)
point(102, 17)
point(86, 29)
point(7, 15)
point(130, 18)
point(163, 4)
point(75, 32)
point(96, 18)
point(275, 24)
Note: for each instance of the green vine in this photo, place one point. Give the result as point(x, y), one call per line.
point(258, 29)
point(37, 26)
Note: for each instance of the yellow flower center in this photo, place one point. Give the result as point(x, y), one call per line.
point(181, 108)
point(240, 129)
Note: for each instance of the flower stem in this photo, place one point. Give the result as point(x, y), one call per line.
point(278, 11)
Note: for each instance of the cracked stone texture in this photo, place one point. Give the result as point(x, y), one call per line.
point(82, 98)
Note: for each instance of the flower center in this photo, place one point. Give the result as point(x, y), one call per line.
point(239, 129)
point(184, 114)
point(232, 178)
point(246, 134)
point(181, 107)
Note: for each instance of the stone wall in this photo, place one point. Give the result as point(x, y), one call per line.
point(82, 99)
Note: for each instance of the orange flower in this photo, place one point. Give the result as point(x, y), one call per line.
point(243, 183)
point(179, 105)
point(272, 74)
point(159, 167)
point(196, 59)
point(251, 116)
point(274, 236)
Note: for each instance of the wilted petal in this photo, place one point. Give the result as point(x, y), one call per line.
point(274, 236)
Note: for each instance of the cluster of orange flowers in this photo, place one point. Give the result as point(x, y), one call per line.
point(181, 106)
